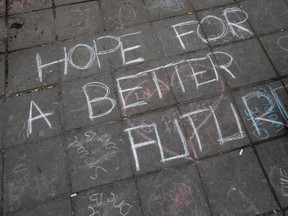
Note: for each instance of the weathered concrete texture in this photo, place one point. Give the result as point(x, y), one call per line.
point(27, 6)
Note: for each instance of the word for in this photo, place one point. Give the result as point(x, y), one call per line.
point(98, 199)
point(118, 45)
point(92, 162)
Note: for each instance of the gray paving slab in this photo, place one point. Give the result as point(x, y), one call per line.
point(247, 63)
point(30, 29)
point(66, 2)
point(179, 35)
point(266, 15)
point(89, 101)
point(35, 174)
point(140, 88)
point(262, 110)
point(1, 122)
point(276, 46)
point(274, 157)
point(31, 117)
point(219, 24)
point(200, 5)
point(195, 75)
point(98, 155)
point(15, 7)
point(163, 9)
point(3, 34)
point(123, 13)
point(58, 208)
point(28, 69)
point(156, 140)
point(78, 20)
point(173, 192)
point(2, 75)
point(120, 198)
point(2, 8)
point(241, 185)
point(213, 126)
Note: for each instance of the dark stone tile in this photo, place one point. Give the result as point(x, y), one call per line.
point(58, 208)
point(116, 199)
point(3, 33)
point(179, 35)
point(213, 126)
point(35, 174)
point(27, 6)
point(274, 156)
point(159, 9)
point(2, 7)
point(2, 75)
point(276, 46)
point(30, 29)
point(98, 156)
point(1, 122)
point(266, 15)
point(195, 75)
point(25, 72)
point(246, 61)
point(133, 45)
point(66, 2)
point(17, 113)
point(82, 59)
point(78, 20)
point(173, 192)
point(89, 101)
point(199, 5)
point(141, 88)
point(225, 25)
point(123, 13)
point(156, 141)
point(263, 110)
point(235, 185)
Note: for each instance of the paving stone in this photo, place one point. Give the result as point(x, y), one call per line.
point(137, 45)
point(168, 29)
point(156, 141)
point(173, 192)
point(2, 7)
point(78, 20)
point(264, 113)
point(1, 122)
point(67, 2)
point(266, 15)
point(141, 88)
point(27, 6)
point(246, 61)
point(235, 184)
point(95, 94)
point(97, 156)
point(218, 127)
point(35, 174)
point(219, 25)
point(116, 199)
point(123, 13)
point(199, 5)
point(163, 9)
point(2, 75)
point(274, 157)
point(1, 176)
point(59, 208)
point(17, 113)
point(195, 75)
point(81, 59)
point(3, 33)
point(30, 29)
point(276, 46)
point(24, 72)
